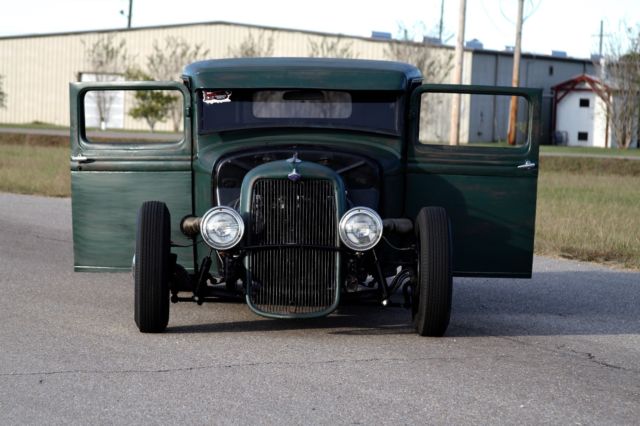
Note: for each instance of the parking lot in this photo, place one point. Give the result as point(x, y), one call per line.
point(563, 347)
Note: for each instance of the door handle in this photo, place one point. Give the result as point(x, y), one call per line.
point(528, 165)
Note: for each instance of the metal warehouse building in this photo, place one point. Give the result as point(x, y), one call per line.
point(38, 68)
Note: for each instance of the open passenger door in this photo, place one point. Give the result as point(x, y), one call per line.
point(117, 164)
point(487, 186)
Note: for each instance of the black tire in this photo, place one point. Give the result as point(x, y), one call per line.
point(433, 290)
point(151, 268)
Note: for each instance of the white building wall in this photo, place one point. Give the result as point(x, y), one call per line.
point(465, 100)
point(600, 129)
point(574, 119)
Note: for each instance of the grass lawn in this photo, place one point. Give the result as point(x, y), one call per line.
point(48, 126)
point(589, 211)
point(33, 125)
point(588, 208)
point(32, 169)
point(551, 149)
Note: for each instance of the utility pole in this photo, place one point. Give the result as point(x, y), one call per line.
point(601, 34)
point(129, 15)
point(454, 126)
point(442, 21)
point(515, 81)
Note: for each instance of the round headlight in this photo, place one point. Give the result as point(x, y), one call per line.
point(221, 228)
point(360, 228)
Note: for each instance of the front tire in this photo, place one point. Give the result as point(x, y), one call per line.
point(151, 268)
point(433, 290)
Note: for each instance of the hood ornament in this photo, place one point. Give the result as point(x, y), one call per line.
point(294, 159)
point(294, 175)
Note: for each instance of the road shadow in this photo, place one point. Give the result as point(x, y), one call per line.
point(598, 302)
point(364, 318)
point(552, 303)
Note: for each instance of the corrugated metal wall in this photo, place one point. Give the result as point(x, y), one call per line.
point(37, 69)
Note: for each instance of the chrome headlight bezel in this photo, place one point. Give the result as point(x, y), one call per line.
point(344, 223)
point(210, 215)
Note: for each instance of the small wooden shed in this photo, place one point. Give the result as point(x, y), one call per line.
point(580, 112)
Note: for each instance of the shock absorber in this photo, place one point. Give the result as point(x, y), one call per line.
point(198, 297)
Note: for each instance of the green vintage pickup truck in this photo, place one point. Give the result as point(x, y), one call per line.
point(296, 184)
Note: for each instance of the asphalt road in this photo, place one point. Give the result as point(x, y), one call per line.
point(561, 348)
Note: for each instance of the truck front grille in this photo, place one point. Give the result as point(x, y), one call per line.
point(293, 244)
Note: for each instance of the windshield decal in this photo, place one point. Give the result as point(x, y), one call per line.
point(216, 97)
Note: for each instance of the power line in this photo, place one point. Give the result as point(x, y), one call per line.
point(533, 10)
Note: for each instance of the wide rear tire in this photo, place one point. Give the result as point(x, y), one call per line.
point(151, 267)
point(433, 290)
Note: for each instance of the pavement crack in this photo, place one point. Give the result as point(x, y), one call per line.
point(60, 240)
point(558, 350)
point(591, 357)
point(565, 351)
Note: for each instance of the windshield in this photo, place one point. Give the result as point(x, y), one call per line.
point(222, 110)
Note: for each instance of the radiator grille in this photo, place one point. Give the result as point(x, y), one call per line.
point(293, 232)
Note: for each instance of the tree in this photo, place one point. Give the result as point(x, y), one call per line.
point(166, 63)
point(106, 59)
point(435, 64)
point(253, 47)
point(3, 96)
point(620, 74)
point(331, 47)
point(150, 105)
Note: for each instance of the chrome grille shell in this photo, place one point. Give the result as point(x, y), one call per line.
point(292, 244)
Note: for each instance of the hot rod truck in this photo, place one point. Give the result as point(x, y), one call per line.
point(296, 183)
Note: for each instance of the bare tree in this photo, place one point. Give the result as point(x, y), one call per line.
point(434, 63)
point(107, 60)
point(620, 89)
point(166, 63)
point(3, 95)
point(332, 47)
point(260, 45)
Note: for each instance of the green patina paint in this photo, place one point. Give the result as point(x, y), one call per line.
point(109, 183)
point(105, 209)
point(293, 73)
point(490, 201)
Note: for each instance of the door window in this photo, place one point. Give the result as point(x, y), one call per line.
point(484, 120)
point(133, 116)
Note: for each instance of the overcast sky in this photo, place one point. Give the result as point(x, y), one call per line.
point(569, 25)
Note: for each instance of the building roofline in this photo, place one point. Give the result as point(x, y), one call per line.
point(580, 78)
point(289, 30)
point(530, 55)
point(187, 24)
